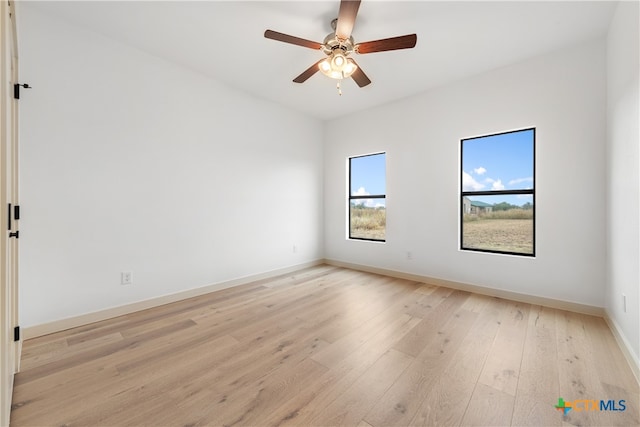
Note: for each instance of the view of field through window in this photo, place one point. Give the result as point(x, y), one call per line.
point(497, 197)
point(367, 198)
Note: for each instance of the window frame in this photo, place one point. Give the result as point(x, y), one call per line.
point(531, 192)
point(350, 197)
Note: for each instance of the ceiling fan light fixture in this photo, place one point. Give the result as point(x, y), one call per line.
point(337, 65)
point(350, 67)
point(325, 66)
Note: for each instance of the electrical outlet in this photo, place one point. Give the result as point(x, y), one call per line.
point(409, 255)
point(126, 278)
point(295, 249)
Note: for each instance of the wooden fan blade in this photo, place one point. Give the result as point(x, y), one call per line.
point(360, 77)
point(347, 18)
point(308, 73)
point(274, 35)
point(393, 43)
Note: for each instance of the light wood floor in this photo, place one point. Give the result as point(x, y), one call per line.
point(327, 346)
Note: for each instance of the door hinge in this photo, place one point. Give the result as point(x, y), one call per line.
point(16, 89)
point(16, 333)
point(13, 214)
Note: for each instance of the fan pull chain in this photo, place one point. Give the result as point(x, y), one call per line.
point(338, 85)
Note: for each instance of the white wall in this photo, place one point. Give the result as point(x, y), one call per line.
point(132, 163)
point(563, 96)
point(623, 177)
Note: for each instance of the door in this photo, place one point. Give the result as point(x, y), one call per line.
point(9, 347)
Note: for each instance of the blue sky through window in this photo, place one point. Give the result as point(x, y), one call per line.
point(368, 176)
point(499, 162)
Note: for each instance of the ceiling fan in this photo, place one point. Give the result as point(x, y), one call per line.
point(339, 44)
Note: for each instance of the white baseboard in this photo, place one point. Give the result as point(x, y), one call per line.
point(85, 319)
point(109, 313)
point(514, 296)
point(632, 359)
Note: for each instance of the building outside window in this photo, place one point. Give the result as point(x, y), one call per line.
point(497, 195)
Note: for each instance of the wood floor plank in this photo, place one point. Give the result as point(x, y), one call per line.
point(362, 395)
point(502, 367)
point(488, 407)
point(97, 352)
point(339, 350)
point(444, 302)
point(35, 407)
point(163, 349)
point(301, 276)
point(538, 382)
point(580, 382)
point(271, 392)
point(145, 385)
point(315, 305)
point(220, 390)
point(576, 381)
point(326, 346)
point(87, 381)
point(446, 402)
point(477, 303)
point(401, 402)
point(607, 355)
point(325, 390)
point(426, 303)
point(268, 310)
point(34, 356)
point(360, 306)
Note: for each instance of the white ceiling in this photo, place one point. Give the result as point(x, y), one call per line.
point(224, 40)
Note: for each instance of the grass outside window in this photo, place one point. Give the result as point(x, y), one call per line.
point(367, 199)
point(497, 197)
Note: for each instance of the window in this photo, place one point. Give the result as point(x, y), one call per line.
point(497, 197)
point(367, 199)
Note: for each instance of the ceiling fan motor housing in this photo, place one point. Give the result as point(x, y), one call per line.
point(331, 43)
